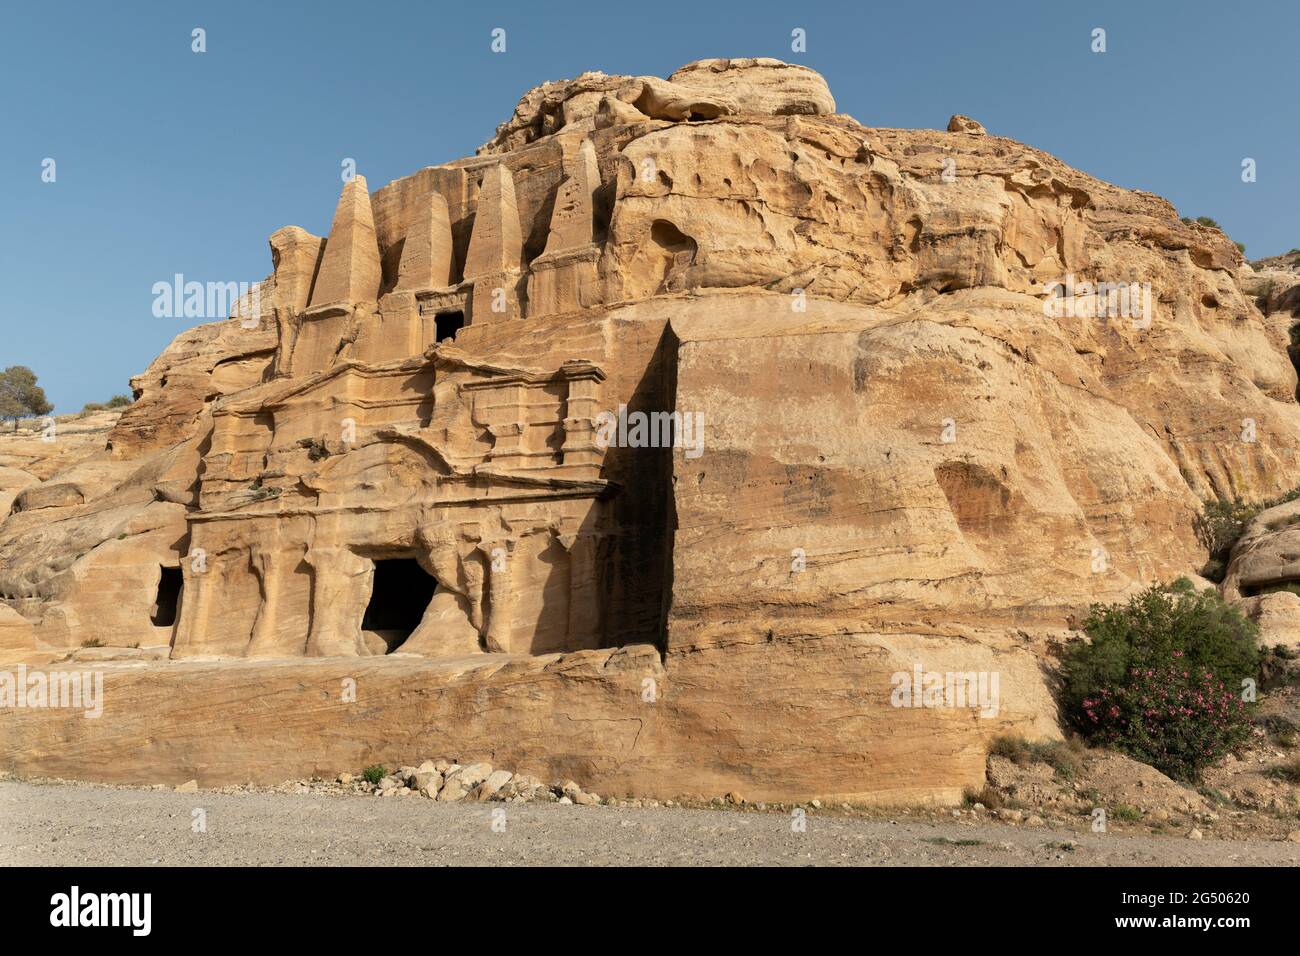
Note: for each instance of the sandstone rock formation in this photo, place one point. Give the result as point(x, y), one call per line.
point(17, 636)
point(964, 124)
point(653, 446)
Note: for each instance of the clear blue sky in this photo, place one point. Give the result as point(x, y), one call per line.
point(170, 161)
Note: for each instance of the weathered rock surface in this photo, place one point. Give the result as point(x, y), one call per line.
point(964, 124)
point(759, 85)
point(912, 436)
point(17, 636)
point(581, 715)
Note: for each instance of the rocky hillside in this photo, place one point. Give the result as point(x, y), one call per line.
point(939, 391)
point(1287, 262)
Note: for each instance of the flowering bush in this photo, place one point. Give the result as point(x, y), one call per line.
point(1161, 678)
point(1178, 721)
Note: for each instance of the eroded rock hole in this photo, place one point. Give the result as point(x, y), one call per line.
point(677, 250)
point(389, 264)
point(399, 596)
point(170, 582)
point(446, 324)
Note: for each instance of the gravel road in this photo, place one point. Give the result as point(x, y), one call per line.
point(82, 824)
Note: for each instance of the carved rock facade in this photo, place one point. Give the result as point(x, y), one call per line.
point(889, 455)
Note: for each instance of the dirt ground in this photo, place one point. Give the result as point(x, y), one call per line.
point(57, 824)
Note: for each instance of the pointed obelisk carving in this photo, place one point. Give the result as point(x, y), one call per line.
point(563, 278)
point(496, 245)
point(426, 253)
point(496, 249)
point(296, 256)
point(572, 218)
point(350, 269)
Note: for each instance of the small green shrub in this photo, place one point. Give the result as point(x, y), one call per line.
point(988, 796)
point(1221, 524)
point(1214, 796)
point(1288, 770)
point(1065, 757)
point(1276, 723)
point(1127, 813)
point(1291, 587)
point(1282, 522)
point(1281, 730)
point(317, 450)
point(1160, 678)
point(1215, 569)
point(117, 401)
point(373, 775)
point(1013, 748)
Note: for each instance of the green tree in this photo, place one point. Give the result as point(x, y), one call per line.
point(20, 396)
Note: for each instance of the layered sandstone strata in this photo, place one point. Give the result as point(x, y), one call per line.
point(909, 442)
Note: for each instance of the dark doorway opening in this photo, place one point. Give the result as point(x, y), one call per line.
point(446, 324)
point(398, 599)
point(170, 581)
